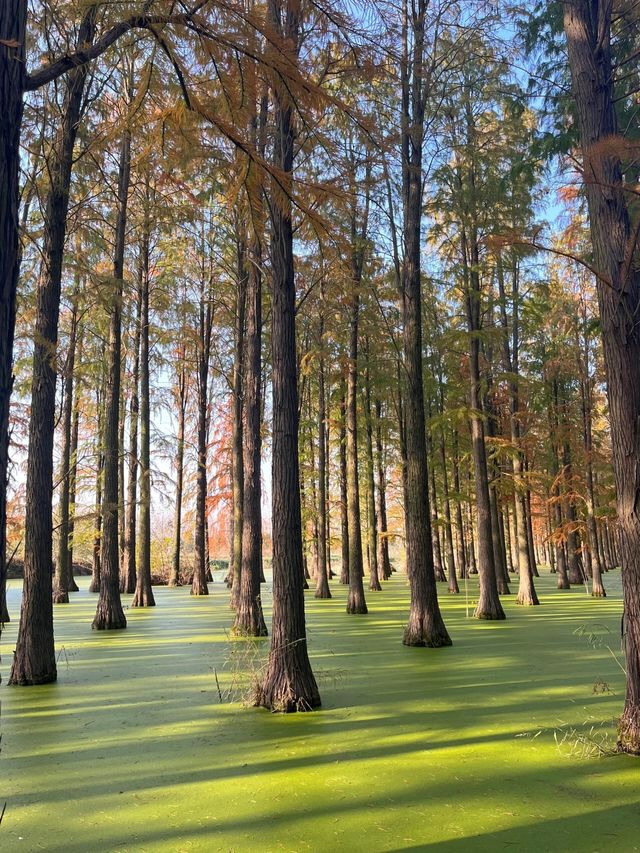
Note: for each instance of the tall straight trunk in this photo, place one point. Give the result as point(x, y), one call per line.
point(322, 576)
point(488, 606)
point(448, 527)
point(122, 418)
point(143, 596)
point(384, 562)
point(402, 441)
point(356, 600)
point(511, 562)
point(502, 578)
point(129, 568)
point(531, 540)
point(63, 582)
point(327, 484)
point(425, 626)
point(344, 515)
point(575, 567)
point(34, 658)
point(94, 585)
point(73, 462)
point(462, 562)
point(249, 619)
point(109, 612)
point(237, 468)
point(374, 579)
point(13, 21)
point(592, 551)
point(205, 328)
point(288, 683)
point(174, 579)
point(588, 30)
point(435, 528)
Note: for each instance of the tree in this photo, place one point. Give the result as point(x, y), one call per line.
point(587, 27)
point(288, 683)
point(426, 626)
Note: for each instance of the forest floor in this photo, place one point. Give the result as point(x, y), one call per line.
point(501, 742)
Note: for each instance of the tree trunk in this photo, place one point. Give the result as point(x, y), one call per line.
point(143, 595)
point(63, 581)
point(288, 684)
point(356, 601)
point(94, 585)
point(448, 527)
point(381, 506)
point(249, 619)
point(322, 578)
point(174, 579)
point(588, 27)
point(435, 534)
point(425, 626)
point(205, 323)
point(129, 568)
point(237, 471)
point(462, 563)
point(109, 612)
point(13, 18)
point(34, 658)
point(344, 516)
point(593, 552)
point(374, 579)
point(73, 469)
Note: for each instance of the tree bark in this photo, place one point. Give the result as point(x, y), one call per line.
point(374, 579)
point(344, 515)
point(63, 581)
point(288, 684)
point(181, 401)
point(322, 577)
point(143, 595)
point(205, 324)
point(129, 569)
point(34, 658)
point(237, 468)
point(94, 584)
point(425, 626)
point(587, 25)
point(381, 506)
point(13, 19)
point(249, 619)
point(448, 527)
point(356, 602)
point(109, 612)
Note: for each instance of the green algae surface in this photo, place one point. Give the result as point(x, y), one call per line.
point(501, 742)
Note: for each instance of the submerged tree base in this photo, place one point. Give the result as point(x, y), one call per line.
point(489, 610)
point(199, 587)
point(356, 603)
point(289, 684)
point(60, 596)
point(528, 599)
point(249, 622)
point(25, 676)
point(423, 630)
point(629, 730)
point(109, 618)
point(143, 597)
